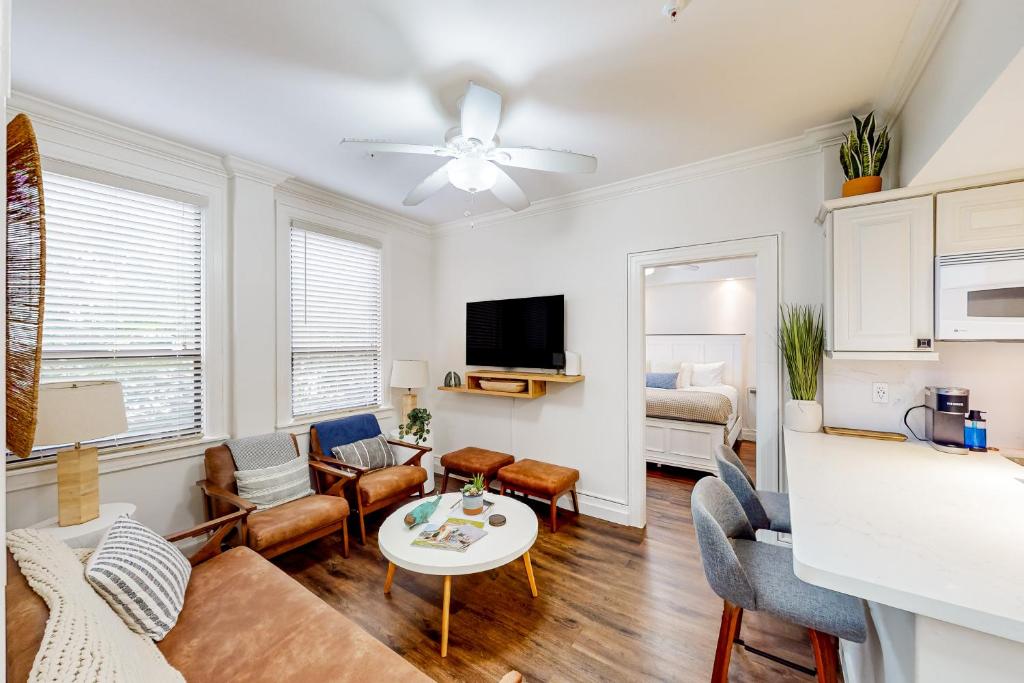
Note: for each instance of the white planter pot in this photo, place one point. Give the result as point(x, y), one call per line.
point(802, 416)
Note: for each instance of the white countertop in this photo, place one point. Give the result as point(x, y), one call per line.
point(907, 526)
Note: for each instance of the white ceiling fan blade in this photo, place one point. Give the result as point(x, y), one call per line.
point(481, 110)
point(431, 184)
point(508, 192)
point(374, 146)
point(551, 160)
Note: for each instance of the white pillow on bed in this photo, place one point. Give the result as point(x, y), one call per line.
point(684, 371)
point(708, 374)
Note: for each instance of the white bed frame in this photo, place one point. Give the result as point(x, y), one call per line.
point(691, 444)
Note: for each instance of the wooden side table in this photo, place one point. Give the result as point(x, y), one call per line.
point(88, 534)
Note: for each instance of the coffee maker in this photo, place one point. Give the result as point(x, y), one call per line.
point(945, 411)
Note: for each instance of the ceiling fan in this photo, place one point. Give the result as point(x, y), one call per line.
point(474, 154)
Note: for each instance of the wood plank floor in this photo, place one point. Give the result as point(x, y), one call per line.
point(616, 604)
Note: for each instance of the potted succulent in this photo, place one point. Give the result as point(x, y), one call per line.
point(417, 425)
point(863, 155)
point(473, 495)
point(802, 339)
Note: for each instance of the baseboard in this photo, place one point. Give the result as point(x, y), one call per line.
point(747, 434)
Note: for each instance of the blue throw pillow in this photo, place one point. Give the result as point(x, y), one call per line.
point(662, 380)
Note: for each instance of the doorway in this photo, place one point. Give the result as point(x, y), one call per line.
point(656, 268)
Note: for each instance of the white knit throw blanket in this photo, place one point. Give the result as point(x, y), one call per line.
point(85, 641)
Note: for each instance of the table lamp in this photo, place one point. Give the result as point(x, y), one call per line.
point(72, 412)
point(410, 374)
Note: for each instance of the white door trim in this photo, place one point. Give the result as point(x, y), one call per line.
point(769, 386)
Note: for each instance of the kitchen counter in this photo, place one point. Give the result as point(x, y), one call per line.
point(903, 525)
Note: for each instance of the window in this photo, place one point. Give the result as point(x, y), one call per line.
point(123, 301)
point(335, 322)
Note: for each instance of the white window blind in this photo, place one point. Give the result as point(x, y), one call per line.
point(123, 301)
point(335, 311)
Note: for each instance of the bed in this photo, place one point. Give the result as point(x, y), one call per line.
point(684, 425)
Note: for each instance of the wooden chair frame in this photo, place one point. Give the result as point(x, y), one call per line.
point(554, 499)
point(355, 473)
point(337, 488)
point(218, 528)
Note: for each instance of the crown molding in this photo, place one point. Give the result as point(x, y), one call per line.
point(79, 123)
point(926, 28)
point(250, 170)
point(810, 142)
point(349, 207)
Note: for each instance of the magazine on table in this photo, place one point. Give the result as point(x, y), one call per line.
point(454, 533)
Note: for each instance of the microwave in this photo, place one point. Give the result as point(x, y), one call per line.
point(980, 296)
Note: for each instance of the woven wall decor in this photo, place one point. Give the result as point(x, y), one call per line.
point(26, 272)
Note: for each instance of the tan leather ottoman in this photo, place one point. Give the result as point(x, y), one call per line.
point(542, 480)
point(466, 462)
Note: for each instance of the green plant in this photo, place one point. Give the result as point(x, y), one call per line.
point(475, 486)
point(862, 152)
point(417, 425)
point(802, 339)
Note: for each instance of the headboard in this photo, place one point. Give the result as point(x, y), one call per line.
point(701, 348)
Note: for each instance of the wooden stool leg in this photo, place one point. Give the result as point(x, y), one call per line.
point(825, 655)
point(554, 515)
point(444, 481)
point(529, 573)
point(344, 538)
point(362, 526)
point(575, 500)
point(726, 634)
point(444, 615)
point(501, 489)
point(390, 577)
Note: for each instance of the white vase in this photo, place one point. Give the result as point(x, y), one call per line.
point(802, 416)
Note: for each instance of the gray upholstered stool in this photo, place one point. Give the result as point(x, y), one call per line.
point(765, 509)
point(759, 576)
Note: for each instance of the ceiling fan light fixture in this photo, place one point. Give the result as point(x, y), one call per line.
point(472, 175)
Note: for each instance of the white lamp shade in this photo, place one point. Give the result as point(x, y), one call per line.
point(411, 374)
point(79, 411)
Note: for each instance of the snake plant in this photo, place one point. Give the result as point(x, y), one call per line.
point(802, 338)
point(863, 153)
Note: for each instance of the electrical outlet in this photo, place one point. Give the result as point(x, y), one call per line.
point(880, 392)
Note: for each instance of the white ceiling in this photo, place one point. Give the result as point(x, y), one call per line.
point(281, 83)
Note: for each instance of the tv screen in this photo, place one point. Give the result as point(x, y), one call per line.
point(516, 333)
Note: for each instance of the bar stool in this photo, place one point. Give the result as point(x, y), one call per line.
point(765, 509)
point(759, 577)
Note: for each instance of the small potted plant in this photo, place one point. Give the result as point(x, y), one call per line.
point(863, 155)
point(473, 495)
point(802, 338)
point(417, 425)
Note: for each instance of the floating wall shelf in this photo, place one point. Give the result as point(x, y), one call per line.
point(536, 383)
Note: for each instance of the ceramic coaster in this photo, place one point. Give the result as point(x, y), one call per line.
point(496, 520)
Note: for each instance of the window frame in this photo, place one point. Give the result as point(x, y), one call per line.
point(289, 215)
point(201, 188)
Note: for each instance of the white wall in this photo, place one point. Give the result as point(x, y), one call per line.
point(717, 307)
point(581, 251)
point(162, 483)
point(980, 40)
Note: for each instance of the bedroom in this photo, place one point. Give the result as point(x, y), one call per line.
point(354, 282)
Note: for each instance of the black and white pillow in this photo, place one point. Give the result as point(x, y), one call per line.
point(141, 576)
point(270, 486)
point(372, 454)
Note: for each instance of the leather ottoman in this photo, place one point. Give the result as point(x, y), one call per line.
point(466, 462)
point(541, 480)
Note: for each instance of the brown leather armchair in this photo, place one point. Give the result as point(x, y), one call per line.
point(281, 528)
point(372, 489)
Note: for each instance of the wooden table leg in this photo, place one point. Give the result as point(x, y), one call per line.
point(529, 573)
point(390, 577)
point(444, 615)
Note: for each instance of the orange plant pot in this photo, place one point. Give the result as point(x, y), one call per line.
point(865, 185)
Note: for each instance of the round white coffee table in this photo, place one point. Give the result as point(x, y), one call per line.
point(500, 546)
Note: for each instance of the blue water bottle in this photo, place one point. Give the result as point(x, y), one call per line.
point(975, 431)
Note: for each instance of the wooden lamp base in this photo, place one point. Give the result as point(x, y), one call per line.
point(408, 405)
point(78, 485)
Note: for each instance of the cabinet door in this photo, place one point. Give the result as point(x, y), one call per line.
point(883, 277)
point(982, 219)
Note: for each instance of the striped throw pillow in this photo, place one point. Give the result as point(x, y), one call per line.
point(270, 486)
point(141, 576)
point(372, 454)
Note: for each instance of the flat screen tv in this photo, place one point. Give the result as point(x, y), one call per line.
point(516, 333)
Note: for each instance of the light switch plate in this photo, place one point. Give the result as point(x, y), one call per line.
point(880, 392)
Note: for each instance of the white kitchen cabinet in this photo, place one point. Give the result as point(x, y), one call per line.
point(980, 219)
point(882, 278)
